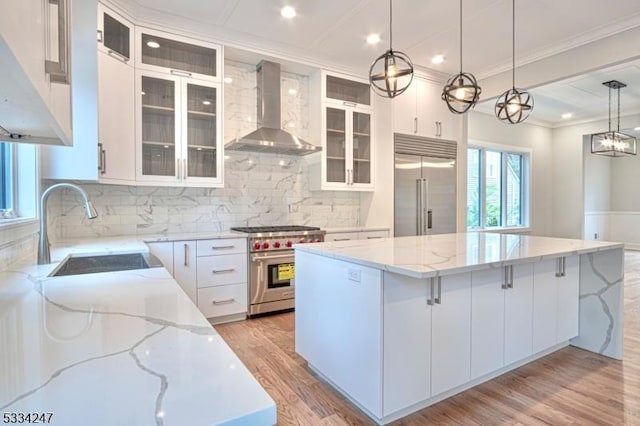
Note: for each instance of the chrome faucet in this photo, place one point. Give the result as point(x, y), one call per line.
point(44, 254)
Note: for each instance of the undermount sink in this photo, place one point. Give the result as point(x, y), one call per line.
point(78, 265)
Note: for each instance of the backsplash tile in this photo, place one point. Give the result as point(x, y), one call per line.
point(260, 189)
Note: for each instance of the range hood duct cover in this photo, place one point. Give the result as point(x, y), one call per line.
point(269, 137)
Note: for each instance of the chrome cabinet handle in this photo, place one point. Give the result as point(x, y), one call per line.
point(222, 271)
point(419, 207)
point(177, 169)
point(561, 264)
point(342, 239)
point(186, 255)
point(222, 247)
point(432, 284)
point(373, 238)
point(181, 73)
point(99, 36)
point(505, 278)
point(351, 104)
point(429, 219)
point(184, 168)
point(287, 294)
point(510, 284)
point(223, 302)
point(439, 298)
point(102, 166)
point(415, 124)
point(59, 70)
point(119, 56)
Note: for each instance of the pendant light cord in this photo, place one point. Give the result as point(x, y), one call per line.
point(618, 109)
point(513, 44)
point(390, 24)
point(460, 36)
point(609, 108)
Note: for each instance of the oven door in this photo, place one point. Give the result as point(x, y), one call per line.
point(272, 277)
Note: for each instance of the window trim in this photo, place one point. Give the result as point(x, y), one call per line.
point(25, 185)
point(525, 185)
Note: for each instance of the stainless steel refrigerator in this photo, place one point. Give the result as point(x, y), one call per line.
point(425, 186)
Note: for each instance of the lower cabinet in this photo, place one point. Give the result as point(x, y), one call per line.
point(356, 235)
point(216, 282)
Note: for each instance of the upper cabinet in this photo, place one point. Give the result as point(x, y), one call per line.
point(36, 71)
point(115, 35)
point(342, 117)
point(421, 111)
point(176, 55)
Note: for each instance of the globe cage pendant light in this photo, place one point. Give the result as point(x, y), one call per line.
point(613, 143)
point(392, 72)
point(461, 93)
point(514, 105)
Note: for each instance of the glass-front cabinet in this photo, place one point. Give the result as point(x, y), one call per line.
point(346, 134)
point(115, 35)
point(180, 130)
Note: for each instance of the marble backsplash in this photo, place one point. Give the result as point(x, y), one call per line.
point(260, 189)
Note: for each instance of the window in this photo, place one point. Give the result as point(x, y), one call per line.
point(497, 188)
point(6, 178)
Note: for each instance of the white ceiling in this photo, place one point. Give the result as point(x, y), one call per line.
point(334, 32)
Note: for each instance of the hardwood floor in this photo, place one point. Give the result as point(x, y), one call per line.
point(570, 386)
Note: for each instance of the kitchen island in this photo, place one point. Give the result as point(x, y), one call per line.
point(398, 324)
point(124, 347)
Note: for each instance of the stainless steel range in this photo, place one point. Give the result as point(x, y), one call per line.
point(271, 264)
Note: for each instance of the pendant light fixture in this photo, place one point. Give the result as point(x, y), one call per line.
point(514, 105)
point(392, 72)
point(613, 143)
point(461, 93)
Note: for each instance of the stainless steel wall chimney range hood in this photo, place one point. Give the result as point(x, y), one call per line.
point(269, 137)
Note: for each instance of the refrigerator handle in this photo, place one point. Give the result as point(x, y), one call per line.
point(423, 212)
point(429, 219)
point(419, 206)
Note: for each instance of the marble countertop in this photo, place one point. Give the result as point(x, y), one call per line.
point(118, 348)
point(445, 254)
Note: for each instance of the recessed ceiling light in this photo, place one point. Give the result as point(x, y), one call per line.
point(438, 59)
point(288, 12)
point(206, 102)
point(142, 93)
point(153, 44)
point(373, 38)
point(228, 80)
point(293, 92)
point(566, 115)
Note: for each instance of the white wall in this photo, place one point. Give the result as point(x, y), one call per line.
point(567, 171)
point(487, 128)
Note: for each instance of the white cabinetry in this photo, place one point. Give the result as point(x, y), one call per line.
point(501, 317)
point(342, 116)
point(356, 235)
point(555, 301)
point(34, 88)
point(213, 273)
point(421, 111)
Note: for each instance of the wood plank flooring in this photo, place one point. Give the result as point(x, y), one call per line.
point(570, 386)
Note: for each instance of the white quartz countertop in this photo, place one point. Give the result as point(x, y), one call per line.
point(445, 254)
point(118, 348)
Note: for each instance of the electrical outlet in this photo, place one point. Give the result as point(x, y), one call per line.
point(354, 275)
point(595, 236)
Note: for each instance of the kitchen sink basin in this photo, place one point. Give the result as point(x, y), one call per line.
point(77, 265)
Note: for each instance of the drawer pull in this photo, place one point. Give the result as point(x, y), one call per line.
point(287, 294)
point(373, 238)
point(222, 247)
point(342, 239)
point(222, 271)
point(223, 302)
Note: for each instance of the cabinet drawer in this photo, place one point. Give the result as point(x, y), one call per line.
point(371, 235)
point(222, 270)
point(220, 247)
point(222, 300)
point(341, 236)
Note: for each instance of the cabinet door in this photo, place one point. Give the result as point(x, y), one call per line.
point(404, 111)
point(487, 321)
point(342, 236)
point(335, 171)
point(202, 152)
point(451, 334)
point(176, 55)
point(360, 155)
point(434, 118)
point(184, 267)
point(518, 315)
point(545, 296)
point(407, 324)
point(372, 235)
point(116, 115)
point(568, 299)
point(115, 35)
point(346, 91)
point(158, 130)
